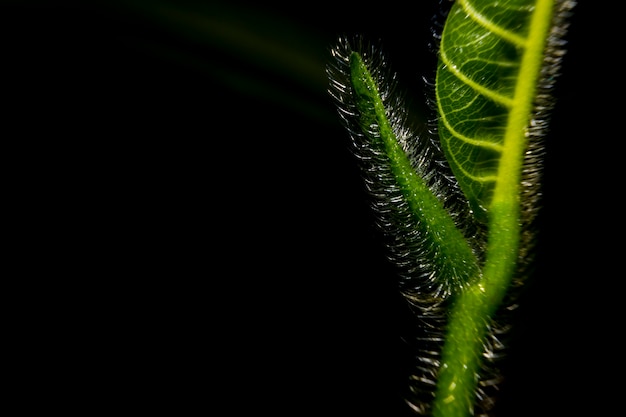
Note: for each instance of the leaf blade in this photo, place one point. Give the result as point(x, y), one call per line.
point(485, 90)
point(426, 244)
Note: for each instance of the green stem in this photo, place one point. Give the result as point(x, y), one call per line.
point(474, 307)
point(470, 318)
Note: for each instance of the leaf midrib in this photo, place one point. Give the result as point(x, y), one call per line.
point(509, 172)
point(491, 26)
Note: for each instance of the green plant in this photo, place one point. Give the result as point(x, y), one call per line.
point(457, 207)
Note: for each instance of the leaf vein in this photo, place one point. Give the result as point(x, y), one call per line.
point(476, 178)
point(487, 92)
point(491, 26)
point(471, 141)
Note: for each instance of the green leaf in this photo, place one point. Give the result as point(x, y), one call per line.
point(494, 59)
point(489, 65)
point(407, 203)
point(436, 224)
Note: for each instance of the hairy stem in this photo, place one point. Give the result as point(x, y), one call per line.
point(474, 307)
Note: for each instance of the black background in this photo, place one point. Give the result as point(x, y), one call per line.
point(194, 194)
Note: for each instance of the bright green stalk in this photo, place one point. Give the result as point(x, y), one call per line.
point(473, 309)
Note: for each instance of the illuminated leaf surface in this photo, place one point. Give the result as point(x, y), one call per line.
point(489, 60)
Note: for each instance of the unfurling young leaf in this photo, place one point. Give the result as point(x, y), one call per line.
point(457, 210)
